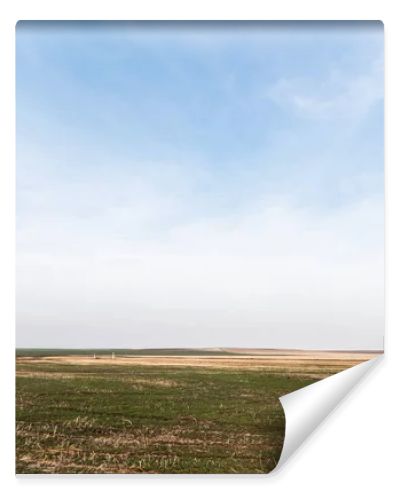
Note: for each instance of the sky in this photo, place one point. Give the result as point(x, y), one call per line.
point(200, 185)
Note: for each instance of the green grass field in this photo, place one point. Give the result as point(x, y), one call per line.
point(159, 410)
point(118, 352)
point(129, 419)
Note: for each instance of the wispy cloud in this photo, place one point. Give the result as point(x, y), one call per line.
point(164, 199)
point(276, 272)
point(339, 95)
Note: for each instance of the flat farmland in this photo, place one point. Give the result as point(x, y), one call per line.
point(164, 411)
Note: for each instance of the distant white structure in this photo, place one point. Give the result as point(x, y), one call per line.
point(94, 355)
point(113, 355)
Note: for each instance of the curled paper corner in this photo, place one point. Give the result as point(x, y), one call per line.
point(306, 408)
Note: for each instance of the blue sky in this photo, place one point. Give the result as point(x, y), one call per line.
point(146, 151)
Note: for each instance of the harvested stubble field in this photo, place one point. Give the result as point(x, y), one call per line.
point(177, 412)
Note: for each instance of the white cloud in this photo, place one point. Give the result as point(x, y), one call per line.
point(339, 95)
point(274, 276)
point(135, 256)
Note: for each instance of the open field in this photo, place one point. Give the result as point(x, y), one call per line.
point(210, 411)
